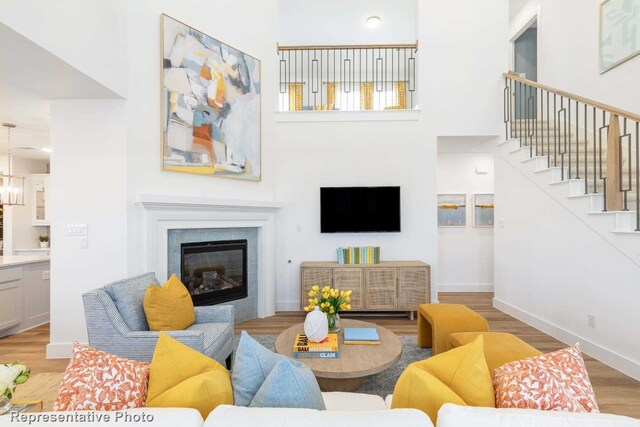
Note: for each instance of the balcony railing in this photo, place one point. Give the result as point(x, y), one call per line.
point(584, 139)
point(348, 78)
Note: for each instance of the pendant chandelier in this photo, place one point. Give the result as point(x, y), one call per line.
point(11, 186)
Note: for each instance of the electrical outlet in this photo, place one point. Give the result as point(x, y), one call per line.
point(591, 320)
point(299, 228)
point(84, 243)
point(46, 275)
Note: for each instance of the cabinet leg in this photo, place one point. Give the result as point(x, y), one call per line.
point(412, 315)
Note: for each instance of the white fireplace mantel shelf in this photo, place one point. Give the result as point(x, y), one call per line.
point(161, 202)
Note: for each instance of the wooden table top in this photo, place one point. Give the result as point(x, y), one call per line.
point(355, 361)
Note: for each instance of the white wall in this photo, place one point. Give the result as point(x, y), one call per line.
point(465, 254)
point(337, 22)
point(247, 25)
point(394, 153)
point(88, 186)
point(568, 52)
point(87, 34)
point(552, 271)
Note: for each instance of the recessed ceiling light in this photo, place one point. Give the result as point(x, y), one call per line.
point(373, 21)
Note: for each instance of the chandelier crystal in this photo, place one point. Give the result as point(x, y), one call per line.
point(11, 186)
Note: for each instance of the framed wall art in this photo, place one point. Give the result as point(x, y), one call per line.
point(210, 105)
point(619, 32)
point(452, 210)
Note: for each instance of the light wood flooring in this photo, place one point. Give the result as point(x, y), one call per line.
point(616, 393)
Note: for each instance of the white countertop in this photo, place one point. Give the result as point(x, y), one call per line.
point(13, 260)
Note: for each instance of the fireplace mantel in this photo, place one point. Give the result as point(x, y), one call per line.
point(167, 212)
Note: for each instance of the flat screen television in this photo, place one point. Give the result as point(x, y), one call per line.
point(359, 209)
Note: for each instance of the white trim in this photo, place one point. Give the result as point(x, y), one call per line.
point(606, 356)
point(466, 287)
point(60, 350)
point(288, 306)
point(347, 116)
point(164, 213)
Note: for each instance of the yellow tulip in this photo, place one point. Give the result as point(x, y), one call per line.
point(315, 288)
point(349, 293)
point(347, 299)
point(312, 293)
point(307, 308)
point(326, 289)
point(325, 295)
point(348, 307)
point(331, 310)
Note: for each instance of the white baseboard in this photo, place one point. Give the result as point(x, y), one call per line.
point(60, 350)
point(287, 305)
point(466, 287)
point(608, 357)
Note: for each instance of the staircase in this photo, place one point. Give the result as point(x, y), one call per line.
point(583, 153)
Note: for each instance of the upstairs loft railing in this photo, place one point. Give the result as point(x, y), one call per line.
point(348, 78)
point(585, 139)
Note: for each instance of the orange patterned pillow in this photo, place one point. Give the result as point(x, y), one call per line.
point(99, 381)
point(555, 381)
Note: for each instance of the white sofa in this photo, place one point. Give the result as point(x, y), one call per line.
point(343, 409)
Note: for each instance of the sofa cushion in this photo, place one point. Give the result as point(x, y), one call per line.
point(455, 416)
point(553, 381)
point(99, 381)
point(128, 296)
point(251, 365)
point(459, 376)
point(342, 401)
point(168, 307)
point(185, 378)
point(225, 415)
point(290, 384)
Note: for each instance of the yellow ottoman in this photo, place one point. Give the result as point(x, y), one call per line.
point(437, 321)
point(499, 347)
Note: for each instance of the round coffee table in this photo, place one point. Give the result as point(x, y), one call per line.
point(356, 362)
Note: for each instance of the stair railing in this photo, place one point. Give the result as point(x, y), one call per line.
point(586, 139)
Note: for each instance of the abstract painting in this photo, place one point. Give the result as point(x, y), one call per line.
point(452, 210)
point(210, 105)
point(619, 32)
point(483, 210)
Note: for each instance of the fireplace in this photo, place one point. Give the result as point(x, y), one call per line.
point(214, 272)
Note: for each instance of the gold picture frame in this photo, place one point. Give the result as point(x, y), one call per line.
point(613, 23)
point(204, 130)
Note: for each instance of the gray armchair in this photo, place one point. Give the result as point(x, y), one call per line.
point(116, 323)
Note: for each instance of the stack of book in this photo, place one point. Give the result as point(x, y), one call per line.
point(361, 336)
point(359, 255)
point(326, 349)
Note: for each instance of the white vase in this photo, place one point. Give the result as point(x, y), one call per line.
point(316, 326)
point(44, 244)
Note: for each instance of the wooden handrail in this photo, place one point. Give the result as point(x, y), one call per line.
point(351, 46)
point(600, 105)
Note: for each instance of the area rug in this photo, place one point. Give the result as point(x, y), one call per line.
point(381, 384)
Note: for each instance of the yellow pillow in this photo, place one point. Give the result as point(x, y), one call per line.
point(169, 307)
point(181, 377)
point(458, 376)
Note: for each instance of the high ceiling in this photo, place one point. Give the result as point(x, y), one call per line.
point(30, 76)
point(515, 6)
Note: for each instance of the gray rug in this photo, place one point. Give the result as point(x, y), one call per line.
point(383, 383)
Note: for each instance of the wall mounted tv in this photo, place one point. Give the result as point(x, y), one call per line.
point(359, 209)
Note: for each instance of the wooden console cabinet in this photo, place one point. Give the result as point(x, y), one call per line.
point(388, 286)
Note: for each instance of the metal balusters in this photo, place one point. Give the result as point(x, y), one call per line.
point(603, 178)
point(637, 176)
point(624, 189)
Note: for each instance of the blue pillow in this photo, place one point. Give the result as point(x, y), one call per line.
point(254, 364)
point(128, 295)
point(251, 366)
point(290, 384)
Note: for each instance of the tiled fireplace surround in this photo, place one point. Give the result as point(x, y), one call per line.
point(172, 220)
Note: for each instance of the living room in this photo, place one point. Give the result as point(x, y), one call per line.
point(306, 125)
